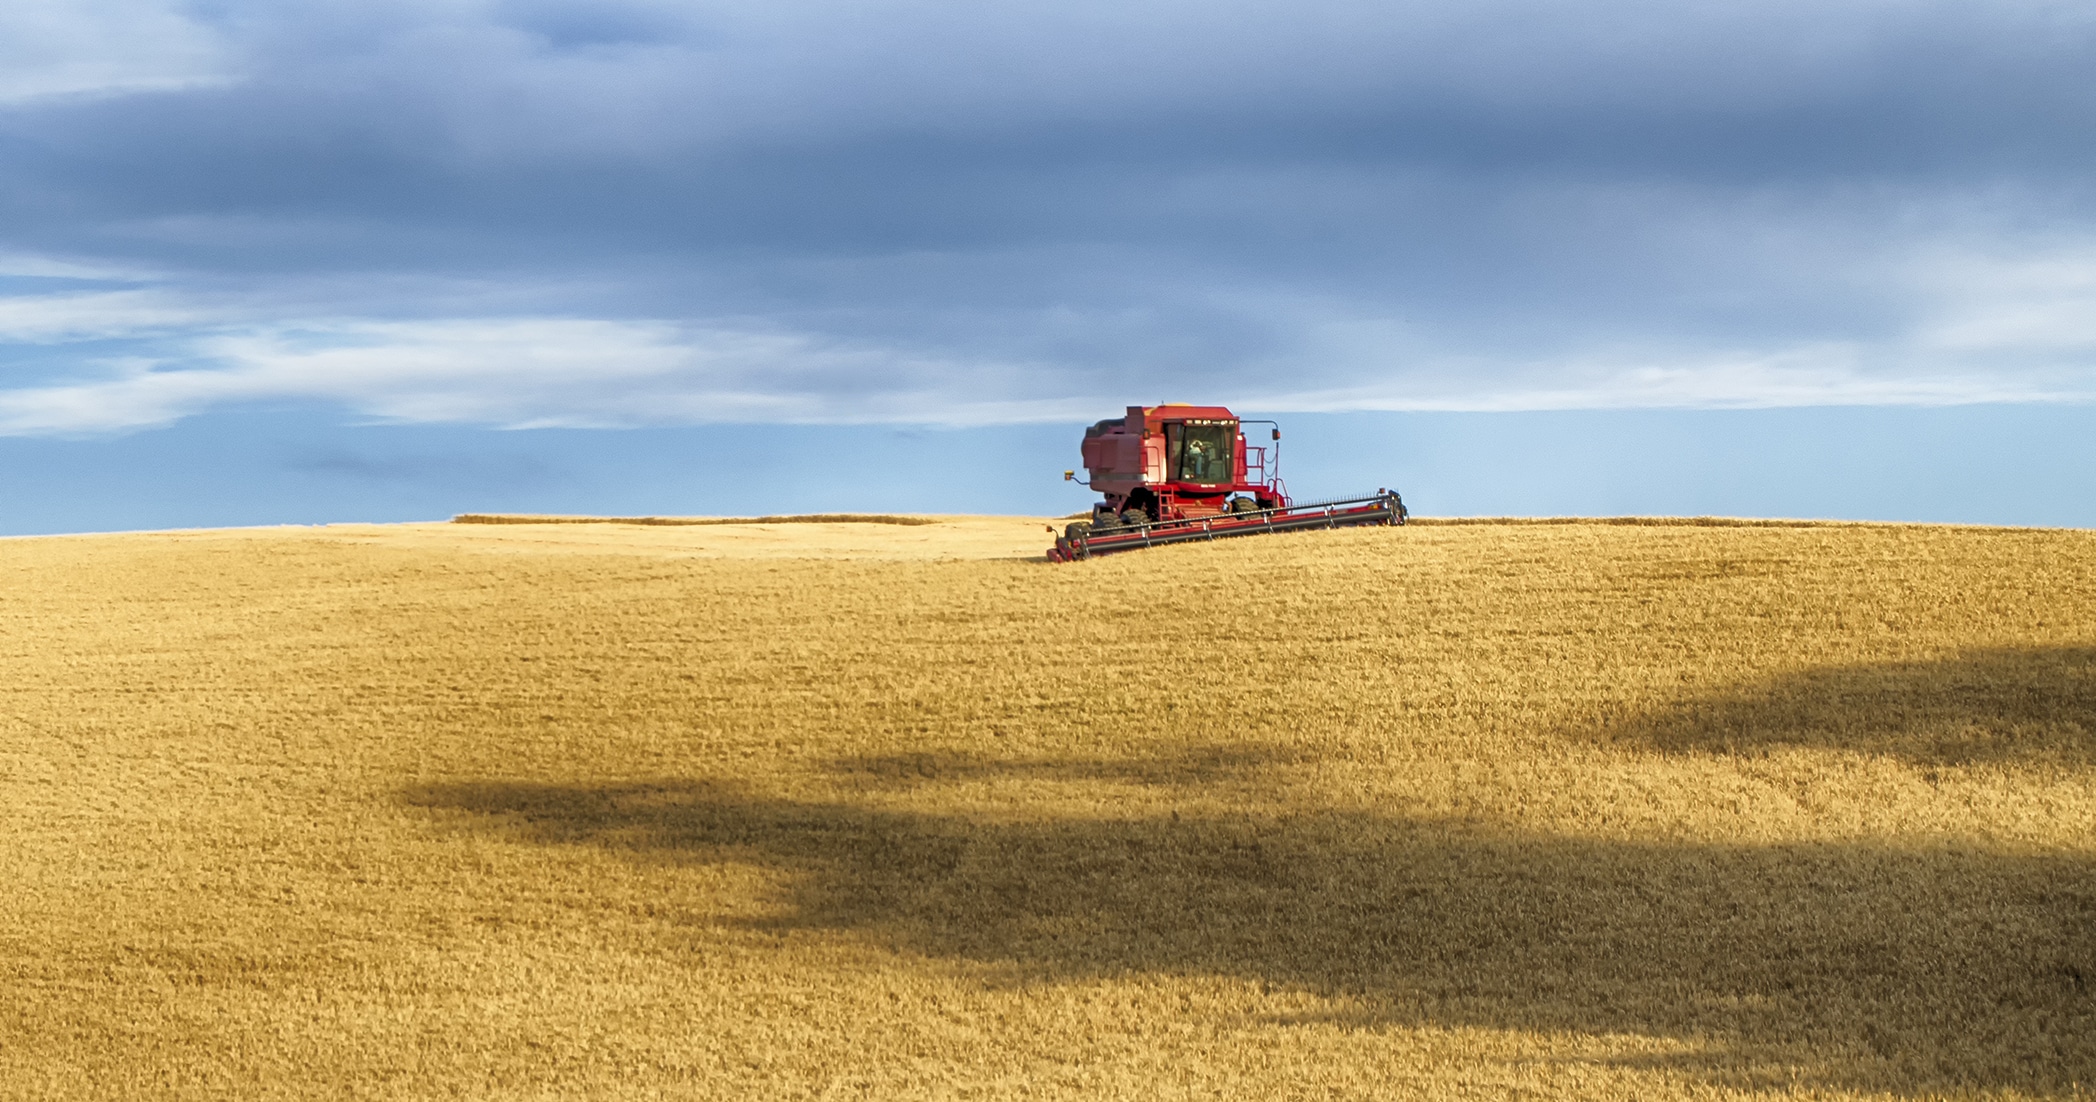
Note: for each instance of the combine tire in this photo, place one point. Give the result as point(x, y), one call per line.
point(1242, 505)
point(1077, 530)
point(1134, 518)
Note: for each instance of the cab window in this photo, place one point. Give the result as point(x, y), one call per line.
point(1200, 453)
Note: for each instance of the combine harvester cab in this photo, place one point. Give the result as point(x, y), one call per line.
point(1174, 473)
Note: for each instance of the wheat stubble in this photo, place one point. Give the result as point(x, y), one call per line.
point(1478, 810)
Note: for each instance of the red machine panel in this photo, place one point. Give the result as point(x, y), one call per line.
point(1179, 461)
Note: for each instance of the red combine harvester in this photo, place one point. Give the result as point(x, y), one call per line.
point(1175, 473)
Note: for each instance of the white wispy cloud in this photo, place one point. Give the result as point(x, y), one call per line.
point(2038, 303)
point(94, 315)
point(532, 372)
point(1992, 324)
point(14, 262)
point(572, 372)
point(104, 47)
point(1827, 375)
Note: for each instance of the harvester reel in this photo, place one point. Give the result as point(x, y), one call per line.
point(1132, 530)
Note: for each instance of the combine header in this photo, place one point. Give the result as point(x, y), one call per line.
point(1176, 473)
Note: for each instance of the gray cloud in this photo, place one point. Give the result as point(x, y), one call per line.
point(928, 211)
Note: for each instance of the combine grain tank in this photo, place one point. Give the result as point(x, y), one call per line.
point(1173, 473)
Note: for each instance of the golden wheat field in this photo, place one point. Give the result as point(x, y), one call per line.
point(845, 810)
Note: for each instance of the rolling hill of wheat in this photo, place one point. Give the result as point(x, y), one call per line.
point(831, 810)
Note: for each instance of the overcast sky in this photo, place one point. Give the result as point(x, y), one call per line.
point(619, 213)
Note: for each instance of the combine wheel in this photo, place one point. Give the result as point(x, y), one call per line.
point(1134, 518)
point(1242, 505)
point(1077, 530)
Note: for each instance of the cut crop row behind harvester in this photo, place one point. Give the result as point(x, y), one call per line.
point(1174, 473)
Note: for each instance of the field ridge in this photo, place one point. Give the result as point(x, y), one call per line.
point(793, 518)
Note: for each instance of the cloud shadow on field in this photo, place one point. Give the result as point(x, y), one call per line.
point(1849, 966)
point(2008, 705)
